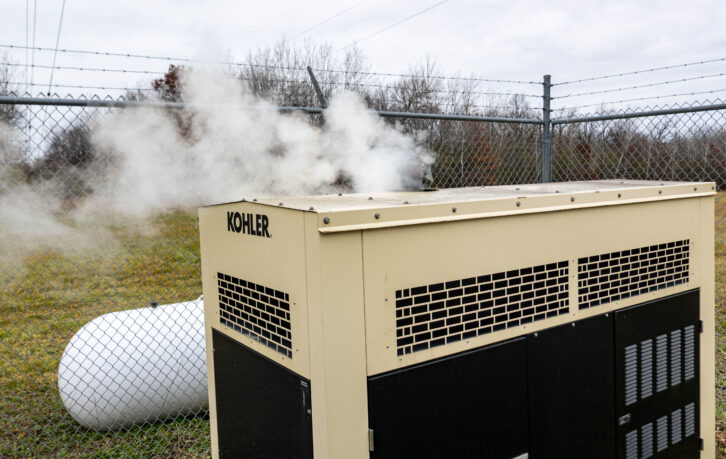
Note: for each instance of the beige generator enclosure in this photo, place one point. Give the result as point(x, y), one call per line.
point(547, 320)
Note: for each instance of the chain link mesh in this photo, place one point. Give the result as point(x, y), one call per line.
point(53, 289)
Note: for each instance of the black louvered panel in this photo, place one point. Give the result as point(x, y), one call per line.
point(657, 373)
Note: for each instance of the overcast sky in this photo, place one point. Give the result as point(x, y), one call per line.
point(490, 38)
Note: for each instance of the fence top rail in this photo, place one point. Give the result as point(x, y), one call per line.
point(642, 114)
point(16, 100)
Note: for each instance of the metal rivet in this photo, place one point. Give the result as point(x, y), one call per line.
point(660, 191)
point(557, 191)
point(453, 209)
point(154, 304)
point(572, 199)
point(607, 315)
point(254, 200)
point(573, 324)
point(326, 220)
point(377, 216)
point(340, 194)
point(405, 202)
point(280, 204)
point(244, 200)
point(695, 188)
point(535, 335)
point(713, 187)
point(370, 198)
point(519, 203)
point(620, 195)
point(517, 188)
point(311, 208)
point(310, 411)
point(387, 346)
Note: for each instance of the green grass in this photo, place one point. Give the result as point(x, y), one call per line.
point(49, 294)
point(721, 324)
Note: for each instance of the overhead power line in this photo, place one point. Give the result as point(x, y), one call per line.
point(408, 18)
point(626, 88)
point(241, 64)
point(637, 72)
point(32, 52)
point(345, 10)
point(57, 40)
point(88, 69)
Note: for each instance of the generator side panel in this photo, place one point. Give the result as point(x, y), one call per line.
point(254, 284)
point(433, 290)
point(263, 408)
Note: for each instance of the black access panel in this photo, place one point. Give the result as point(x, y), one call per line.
point(263, 409)
point(657, 378)
point(571, 390)
point(472, 404)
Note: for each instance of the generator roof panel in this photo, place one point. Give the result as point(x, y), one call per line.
point(354, 211)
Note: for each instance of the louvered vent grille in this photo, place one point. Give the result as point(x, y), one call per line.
point(438, 314)
point(260, 312)
point(616, 276)
point(675, 362)
point(670, 429)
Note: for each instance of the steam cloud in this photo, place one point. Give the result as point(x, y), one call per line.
point(240, 146)
point(224, 146)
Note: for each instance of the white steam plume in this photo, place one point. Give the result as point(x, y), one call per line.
point(236, 146)
point(224, 146)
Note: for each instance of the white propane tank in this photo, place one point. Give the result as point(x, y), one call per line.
point(130, 367)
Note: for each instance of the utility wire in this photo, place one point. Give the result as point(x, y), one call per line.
point(327, 20)
point(57, 40)
point(702, 77)
point(240, 64)
point(394, 24)
point(637, 72)
point(161, 58)
point(88, 69)
point(32, 52)
point(27, 35)
point(641, 99)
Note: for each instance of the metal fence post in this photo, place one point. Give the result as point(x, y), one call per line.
point(546, 132)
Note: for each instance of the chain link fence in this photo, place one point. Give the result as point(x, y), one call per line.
point(60, 268)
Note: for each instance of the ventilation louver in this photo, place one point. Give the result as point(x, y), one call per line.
point(675, 361)
point(446, 312)
point(670, 429)
point(616, 276)
point(260, 312)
